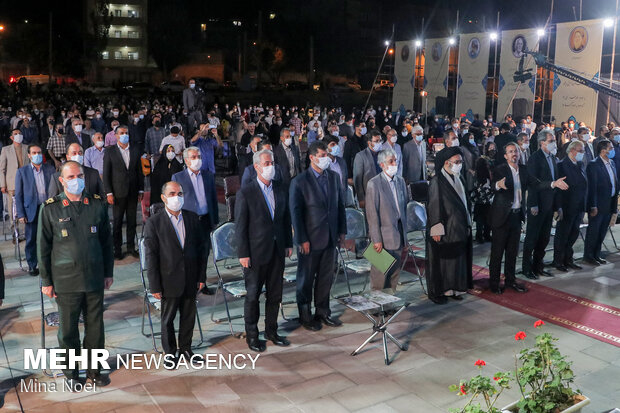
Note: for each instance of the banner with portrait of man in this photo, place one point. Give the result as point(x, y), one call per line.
point(436, 60)
point(472, 75)
point(578, 47)
point(512, 60)
point(404, 66)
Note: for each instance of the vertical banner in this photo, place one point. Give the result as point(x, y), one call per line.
point(436, 59)
point(404, 66)
point(578, 47)
point(471, 94)
point(513, 44)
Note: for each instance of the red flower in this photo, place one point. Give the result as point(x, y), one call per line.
point(520, 336)
point(480, 363)
point(539, 323)
point(463, 389)
point(495, 378)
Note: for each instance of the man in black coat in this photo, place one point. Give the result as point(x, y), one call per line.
point(92, 182)
point(507, 214)
point(287, 157)
point(75, 135)
point(319, 224)
point(124, 186)
point(176, 267)
point(264, 239)
point(602, 200)
point(501, 141)
point(573, 204)
point(544, 181)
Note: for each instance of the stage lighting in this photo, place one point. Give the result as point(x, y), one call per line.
point(493, 35)
point(540, 32)
point(608, 22)
point(451, 40)
point(418, 43)
point(387, 43)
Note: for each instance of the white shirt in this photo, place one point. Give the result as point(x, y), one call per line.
point(268, 195)
point(199, 190)
point(393, 189)
point(517, 197)
point(124, 154)
point(179, 226)
point(612, 177)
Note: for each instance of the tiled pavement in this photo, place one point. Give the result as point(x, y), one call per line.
point(315, 374)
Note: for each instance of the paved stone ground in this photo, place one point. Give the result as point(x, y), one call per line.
point(317, 373)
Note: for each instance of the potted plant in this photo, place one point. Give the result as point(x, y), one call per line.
point(544, 378)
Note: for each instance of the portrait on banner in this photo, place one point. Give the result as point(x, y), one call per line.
point(473, 48)
point(519, 44)
point(578, 39)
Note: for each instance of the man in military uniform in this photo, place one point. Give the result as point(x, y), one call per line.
point(76, 262)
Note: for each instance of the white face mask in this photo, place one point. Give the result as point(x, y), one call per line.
point(393, 139)
point(323, 162)
point(524, 146)
point(18, 138)
point(268, 172)
point(455, 125)
point(78, 128)
point(170, 155)
point(288, 141)
point(78, 158)
point(404, 133)
point(174, 203)
point(456, 168)
point(496, 133)
point(376, 147)
point(195, 164)
point(454, 143)
point(99, 144)
point(391, 170)
point(552, 148)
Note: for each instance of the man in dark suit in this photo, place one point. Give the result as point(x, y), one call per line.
point(264, 239)
point(506, 215)
point(124, 186)
point(573, 205)
point(75, 135)
point(244, 159)
point(602, 200)
point(354, 144)
point(501, 141)
point(414, 157)
point(92, 181)
point(249, 174)
point(319, 224)
point(365, 166)
point(338, 164)
point(176, 267)
point(200, 196)
point(31, 183)
point(287, 157)
point(543, 182)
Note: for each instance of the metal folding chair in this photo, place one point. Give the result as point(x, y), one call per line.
point(290, 277)
point(356, 229)
point(225, 248)
point(351, 199)
point(18, 251)
point(416, 222)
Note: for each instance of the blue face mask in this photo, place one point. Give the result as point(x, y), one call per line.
point(472, 142)
point(612, 154)
point(419, 138)
point(37, 159)
point(617, 138)
point(579, 156)
point(124, 139)
point(363, 131)
point(335, 151)
point(75, 186)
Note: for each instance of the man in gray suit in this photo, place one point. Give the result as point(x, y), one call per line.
point(386, 213)
point(414, 157)
point(365, 165)
point(190, 104)
point(12, 158)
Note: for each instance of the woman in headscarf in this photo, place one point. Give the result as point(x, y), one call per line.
point(482, 195)
point(166, 166)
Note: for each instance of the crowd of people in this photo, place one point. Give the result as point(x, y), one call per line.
point(299, 167)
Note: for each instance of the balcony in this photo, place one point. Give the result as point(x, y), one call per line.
point(117, 42)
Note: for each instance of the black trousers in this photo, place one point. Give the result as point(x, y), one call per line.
point(70, 306)
point(205, 228)
point(124, 207)
point(31, 240)
point(566, 234)
point(505, 240)
point(315, 273)
point(186, 307)
point(270, 276)
point(595, 234)
point(537, 236)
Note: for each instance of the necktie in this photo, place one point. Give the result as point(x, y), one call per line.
point(550, 162)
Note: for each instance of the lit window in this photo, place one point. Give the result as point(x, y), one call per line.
point(134, 34)
point(132, 13)
point(117, 34)
point(203, 27)
point(118, 13)
point(132, 55)
point(118, 55)
point(105, 55)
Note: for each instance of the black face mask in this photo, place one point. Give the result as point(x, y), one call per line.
point(61, 131)
point(157, 123)
point(492, 153)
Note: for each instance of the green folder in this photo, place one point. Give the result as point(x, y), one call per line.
point(383, 261)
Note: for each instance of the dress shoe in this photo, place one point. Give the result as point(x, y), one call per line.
point(119, 256)
point(457, 297)
point(188, 354)
point(439, 300)
point(206, 290)
point(255, 344)
point(518, 287)
point(278, 340)
point(99, 379)
point(306, 319)
point(530, 275)
point(574, 266)
point(74, 385)
point(133, 253)
point(497, 290)
point(600, 260)
point(543, 273)
point(328, 321)
point(33, 271)
point(591, 261)
point(561, 268)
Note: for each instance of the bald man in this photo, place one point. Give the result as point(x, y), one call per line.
point(92, 180)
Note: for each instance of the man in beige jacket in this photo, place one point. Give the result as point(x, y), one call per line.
point(12, 158)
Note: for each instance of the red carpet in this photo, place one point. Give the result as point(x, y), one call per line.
point(584, 316)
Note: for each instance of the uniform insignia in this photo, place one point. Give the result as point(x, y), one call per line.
point(93, 229)
point(85, 201)
point(49, 201)
point(64, 233)
point(67, 219)
point(96, 196)
point(65, 202)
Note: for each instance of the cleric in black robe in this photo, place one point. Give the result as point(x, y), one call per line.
point(449, 241)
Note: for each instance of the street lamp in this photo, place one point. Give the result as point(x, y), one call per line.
point(418, 43)
point(387, 43)
point(493, 36)
point(609, 22)
point(452, 40)
point(540, 32)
